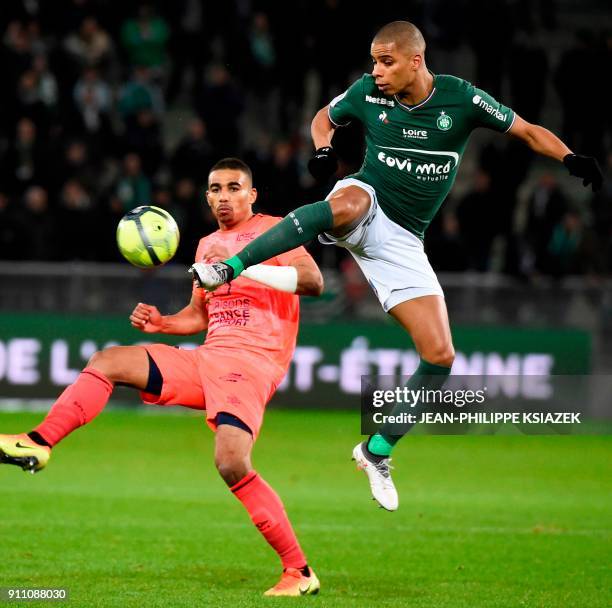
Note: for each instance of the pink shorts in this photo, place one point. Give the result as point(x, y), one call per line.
point(215, 380)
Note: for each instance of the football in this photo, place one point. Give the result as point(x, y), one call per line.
point(147, 236)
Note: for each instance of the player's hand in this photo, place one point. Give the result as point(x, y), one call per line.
point(323, 164)
point(146, 318)
point(215, 252)
point(585, 167)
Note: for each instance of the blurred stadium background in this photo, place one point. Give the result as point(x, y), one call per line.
point(107, 105)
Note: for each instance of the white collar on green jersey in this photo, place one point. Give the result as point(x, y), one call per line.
point(418, 105)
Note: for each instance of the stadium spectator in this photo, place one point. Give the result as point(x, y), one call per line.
point(192, 214)
point(580, 128)
point(76, 219)
point(282, 187)
point(491, 45)
point(140, 93)
point(91, 46)
point(46, 83)
point(263, 54)
point(133, 188)
point(476, 215)
point(143, 136)
point(30, 103)
point(12, 231)
point(220, 105)
point(547, 205)
point(93, 102)
point(39, 45)
point(568, 246)
point(193, 155)
point(144, 39)
point(41, 238)
point(16, 54)
point(446, 246)
point(187, 21)
point(528, 75)
point(24, 163)
point(74, 161)
point(181, 201)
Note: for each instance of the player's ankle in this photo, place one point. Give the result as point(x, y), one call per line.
point(378, 447)
point(236, 264)
point(38, 439)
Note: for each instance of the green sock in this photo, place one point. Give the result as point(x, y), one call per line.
point(427, 376)
point(379, 445)
point(300, 226)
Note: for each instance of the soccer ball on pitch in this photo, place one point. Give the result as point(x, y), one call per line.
point(147, 236)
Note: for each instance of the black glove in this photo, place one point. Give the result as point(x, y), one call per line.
point(323, 164)
point(586, 167)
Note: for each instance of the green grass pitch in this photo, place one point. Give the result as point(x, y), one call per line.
point(131, 512)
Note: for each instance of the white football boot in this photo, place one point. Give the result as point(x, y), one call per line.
point(211, 276)
point(379, 476)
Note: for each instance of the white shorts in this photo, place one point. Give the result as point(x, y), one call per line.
point(392, 259)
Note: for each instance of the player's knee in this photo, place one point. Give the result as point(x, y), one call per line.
point(103, 361)
point(442, 355)
point(350, 207)
point(112, 363)
point(232, 468)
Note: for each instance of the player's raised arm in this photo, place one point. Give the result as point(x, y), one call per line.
point(301, 276)
point(190, 320)
point(324, 162)
point(322, 128)
point(544, 142)
point(339, 112)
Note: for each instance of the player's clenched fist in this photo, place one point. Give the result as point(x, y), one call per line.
point(323, 164)
point(215, 252)
point(146, 318)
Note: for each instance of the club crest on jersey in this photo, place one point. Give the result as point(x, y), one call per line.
point(444, 121)
point(383, 117)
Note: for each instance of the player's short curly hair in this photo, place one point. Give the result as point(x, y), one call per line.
point(233, 163)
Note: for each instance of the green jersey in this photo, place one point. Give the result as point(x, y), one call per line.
point(413, 152)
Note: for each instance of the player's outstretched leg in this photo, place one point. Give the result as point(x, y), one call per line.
point(341, 213)
point(233, 444)
point(426, 321)
point(297, 228)
point(80, 403)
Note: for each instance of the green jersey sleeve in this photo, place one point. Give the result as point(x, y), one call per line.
point(348, 105)
point(488, 112)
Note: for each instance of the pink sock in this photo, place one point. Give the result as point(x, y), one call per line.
point(268, 514)
point(80, 403)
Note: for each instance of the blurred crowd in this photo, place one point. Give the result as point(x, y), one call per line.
point(110, 105)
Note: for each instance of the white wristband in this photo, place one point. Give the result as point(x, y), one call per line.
point(283, 278)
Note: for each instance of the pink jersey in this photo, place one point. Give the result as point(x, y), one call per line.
point(247, 316)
